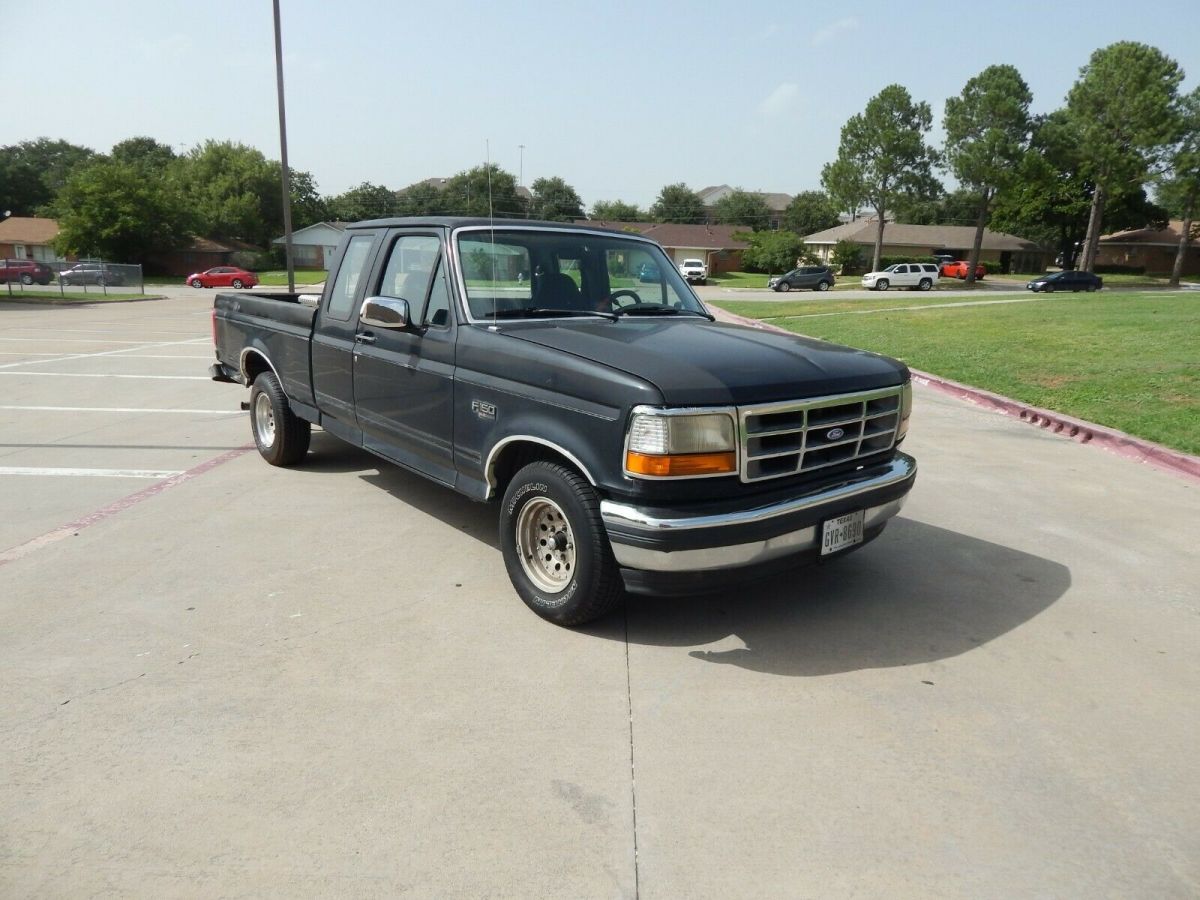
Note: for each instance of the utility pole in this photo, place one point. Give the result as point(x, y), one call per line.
point(287, 178)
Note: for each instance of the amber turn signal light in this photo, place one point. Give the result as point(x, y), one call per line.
point(680, 464)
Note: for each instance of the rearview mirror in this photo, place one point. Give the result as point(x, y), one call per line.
point(384, 312)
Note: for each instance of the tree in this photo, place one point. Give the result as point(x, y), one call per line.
point(33, 172)
point(922, 204)
point(616, 211)
point(842, 180)
point(554, 200)
point(421, 199)
point(678, 203)
point(367, 201)
point(846, 254)
point(987, 133)
point(744, 208)
point(468, 193)
point(772, 251)
point(144, 152)
point(810, 212)
point(111, 209)
point(1124, 111)
point(885, 144)
point(234, 190)
point(1179, 191)
point(308, 206)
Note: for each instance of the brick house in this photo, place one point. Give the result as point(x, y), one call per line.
point(715, 244)
point(1151, 248)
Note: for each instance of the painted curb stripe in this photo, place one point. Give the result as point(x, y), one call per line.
point(73, 528)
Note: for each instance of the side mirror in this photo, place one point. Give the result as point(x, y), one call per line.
point(384, 312)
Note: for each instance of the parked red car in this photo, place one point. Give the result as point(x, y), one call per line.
point(223, 276)
point(26, 271)
point(958, 269)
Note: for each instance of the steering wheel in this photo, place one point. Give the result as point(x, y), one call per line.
point(633, 296)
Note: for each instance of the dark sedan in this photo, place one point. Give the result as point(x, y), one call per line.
point(1066, 281)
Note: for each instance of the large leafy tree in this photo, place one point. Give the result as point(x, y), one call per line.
point(473, 193)
point(144, 152)
point(554, 200)
point(616, 211)
point(33, 172)
point(842, 180)
point(1124, 110)
point(743, 208)
point(810, 212)
point(366, 201)
point(109, 208)
point(235, 192)
point(886, 144)
point(678, 203)
point(1179, 190)
point(987, 133)
point(421, 199)
point(308, 206)
point(772, 251)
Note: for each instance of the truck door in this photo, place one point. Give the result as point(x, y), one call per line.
point(333, 339)
point(404, 378)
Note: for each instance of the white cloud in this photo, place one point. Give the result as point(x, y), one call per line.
point(781, 100)
point(833, 29)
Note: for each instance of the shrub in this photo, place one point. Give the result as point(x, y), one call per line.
point(846, 255)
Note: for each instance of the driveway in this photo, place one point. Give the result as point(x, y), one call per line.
point(222, 678)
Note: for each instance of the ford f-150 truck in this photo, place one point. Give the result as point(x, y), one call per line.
point(632, 442)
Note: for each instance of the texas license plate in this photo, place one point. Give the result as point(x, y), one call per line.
point(842, 532)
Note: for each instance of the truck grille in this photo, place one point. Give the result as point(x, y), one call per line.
point(781, 439)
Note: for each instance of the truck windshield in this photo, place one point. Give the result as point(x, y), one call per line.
point(514, 272)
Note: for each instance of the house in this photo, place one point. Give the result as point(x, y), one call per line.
point(1014, 254)
point(715, 244)
point(1152, 249)
point(202, 254)
point(27, 237)
point(777, 203)
point(313, 246)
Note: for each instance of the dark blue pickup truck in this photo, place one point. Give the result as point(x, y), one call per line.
point(633, 442)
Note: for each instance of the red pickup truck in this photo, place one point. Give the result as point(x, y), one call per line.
point(958, 269)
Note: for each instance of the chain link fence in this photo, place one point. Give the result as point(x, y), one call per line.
point(71, 277)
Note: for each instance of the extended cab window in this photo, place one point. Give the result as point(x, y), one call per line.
point(350, 275)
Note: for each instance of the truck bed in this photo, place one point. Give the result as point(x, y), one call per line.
point(278, 325)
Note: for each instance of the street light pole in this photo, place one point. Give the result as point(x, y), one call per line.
point(287, 179)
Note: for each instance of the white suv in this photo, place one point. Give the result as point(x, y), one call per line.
point(694, 270)
point(914, 276)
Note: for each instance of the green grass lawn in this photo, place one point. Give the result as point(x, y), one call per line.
point(1123, 359)
point(95, 296)
point(303, 276)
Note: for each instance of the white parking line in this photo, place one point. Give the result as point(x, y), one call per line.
point(108, 375)
point(121, 409)
point(33, 340)
point(143, 346)
point(89, 473)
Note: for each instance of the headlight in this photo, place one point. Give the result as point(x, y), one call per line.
point(663, 444)
point(905, 411)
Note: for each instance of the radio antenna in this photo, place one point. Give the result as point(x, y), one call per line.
point(487, 154)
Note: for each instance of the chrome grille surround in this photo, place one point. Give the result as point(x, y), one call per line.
point(799, 436)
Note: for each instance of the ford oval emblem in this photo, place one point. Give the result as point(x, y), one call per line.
point(834, 434)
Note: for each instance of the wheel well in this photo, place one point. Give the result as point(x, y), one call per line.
point(254, 365)
point(515, 456)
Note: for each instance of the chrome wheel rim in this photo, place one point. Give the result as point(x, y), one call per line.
point(264, 421)
point(545, 545)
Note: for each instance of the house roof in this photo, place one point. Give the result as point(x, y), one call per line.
point(931, 236)
point(669, 234)
point(1166, 237)
point(336, 226)
point(28, 230)
point(776, 202)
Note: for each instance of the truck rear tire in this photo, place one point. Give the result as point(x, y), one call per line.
point(281, 436)
point(555, 547)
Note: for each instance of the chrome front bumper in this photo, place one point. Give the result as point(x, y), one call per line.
point(657, 543)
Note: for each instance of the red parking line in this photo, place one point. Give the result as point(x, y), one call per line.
point(73, 528)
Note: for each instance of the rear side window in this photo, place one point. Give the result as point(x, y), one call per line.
point(350, 275)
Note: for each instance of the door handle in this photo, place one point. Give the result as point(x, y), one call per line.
point(364, 337)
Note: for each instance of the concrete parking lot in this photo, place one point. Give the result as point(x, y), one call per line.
point(226, 679)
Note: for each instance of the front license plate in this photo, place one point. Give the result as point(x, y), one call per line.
point(842, 532)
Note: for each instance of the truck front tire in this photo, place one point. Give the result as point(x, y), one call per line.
point(555, 546)
point(281, 436)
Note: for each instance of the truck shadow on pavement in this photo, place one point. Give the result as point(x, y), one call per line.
point(918, 594)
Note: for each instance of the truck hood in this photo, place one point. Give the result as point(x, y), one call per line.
point(700, 363)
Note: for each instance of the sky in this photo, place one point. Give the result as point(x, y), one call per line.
point(617, 98)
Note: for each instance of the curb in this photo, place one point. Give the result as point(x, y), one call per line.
point(66, 301)
point(1079, 430)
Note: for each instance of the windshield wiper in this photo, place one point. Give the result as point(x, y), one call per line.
point(663, 311)
point(548, 312)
